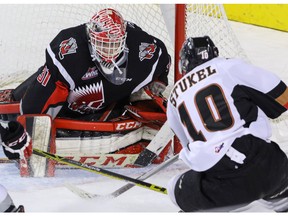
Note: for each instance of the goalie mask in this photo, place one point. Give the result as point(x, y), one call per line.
point(196, 51)
point(107, 37)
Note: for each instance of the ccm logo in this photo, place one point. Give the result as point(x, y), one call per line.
point(128, 125)
point(116, 160)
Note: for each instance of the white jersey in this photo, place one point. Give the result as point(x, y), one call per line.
point(219, 101)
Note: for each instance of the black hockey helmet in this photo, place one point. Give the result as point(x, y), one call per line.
point(195, 51)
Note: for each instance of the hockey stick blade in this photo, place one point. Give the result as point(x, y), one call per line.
point(100, 171)
point(86, 195)
point(82, 193)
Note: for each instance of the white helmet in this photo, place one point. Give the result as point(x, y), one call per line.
point(107, 34)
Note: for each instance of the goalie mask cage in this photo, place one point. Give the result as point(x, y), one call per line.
point(27, 29)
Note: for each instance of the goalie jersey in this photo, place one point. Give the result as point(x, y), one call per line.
point(219, 101)
point(71, 81)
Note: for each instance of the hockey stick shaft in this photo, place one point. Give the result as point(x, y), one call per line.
point(146, 175)
point(100, 171)
point(87, 195)
point(6, 160)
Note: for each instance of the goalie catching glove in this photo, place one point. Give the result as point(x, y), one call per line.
point(16, 141)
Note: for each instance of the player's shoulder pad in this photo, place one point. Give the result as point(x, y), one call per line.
point(130, 26)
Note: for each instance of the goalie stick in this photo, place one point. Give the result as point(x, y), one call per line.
point(100, 171)
point(156, 145)
point(161, 139)
point(86, 195)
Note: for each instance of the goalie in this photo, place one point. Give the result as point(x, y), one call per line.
point(94, 68)
point(91, 66)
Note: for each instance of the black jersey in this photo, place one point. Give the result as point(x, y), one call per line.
point(72, 79)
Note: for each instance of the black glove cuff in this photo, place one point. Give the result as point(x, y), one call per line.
point(15, 131)
point(11, 156)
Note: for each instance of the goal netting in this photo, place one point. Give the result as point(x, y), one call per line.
point(27, 29)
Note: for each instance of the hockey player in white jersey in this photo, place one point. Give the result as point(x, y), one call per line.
point(219, 110)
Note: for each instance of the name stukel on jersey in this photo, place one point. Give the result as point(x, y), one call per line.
point(188, 81)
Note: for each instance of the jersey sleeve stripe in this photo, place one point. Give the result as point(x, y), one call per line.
point(283, 99)
point(280, 94)
point(150, 77)
point(61, 69)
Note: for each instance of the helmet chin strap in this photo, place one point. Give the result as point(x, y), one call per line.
point(94, 58)
point(117, 67)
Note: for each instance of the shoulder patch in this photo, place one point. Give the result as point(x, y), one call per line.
point(66, 47)
point(146, 51)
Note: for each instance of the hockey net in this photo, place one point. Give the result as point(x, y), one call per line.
point(27, 30)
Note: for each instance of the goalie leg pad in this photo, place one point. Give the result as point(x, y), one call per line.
point(39, 128)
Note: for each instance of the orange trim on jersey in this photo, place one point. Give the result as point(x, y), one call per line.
point(59, 95)
point(283, 99)
point(286, 105)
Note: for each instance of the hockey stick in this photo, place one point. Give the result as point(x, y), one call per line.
point(86, 195)
point(161, 139)
point(154, 148)
point(100, 171)
point(6, 160)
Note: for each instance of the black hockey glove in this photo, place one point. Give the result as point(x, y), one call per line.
point(15, 141)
